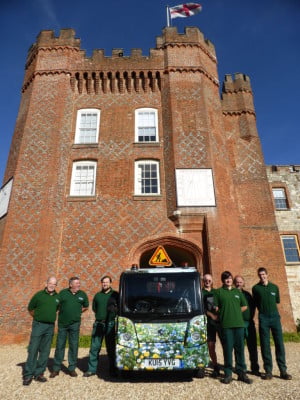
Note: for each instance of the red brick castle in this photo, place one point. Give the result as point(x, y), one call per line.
point(114, 156)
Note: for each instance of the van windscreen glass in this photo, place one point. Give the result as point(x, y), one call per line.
point(154, 296)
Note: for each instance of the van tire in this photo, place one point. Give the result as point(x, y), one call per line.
point(199, 373)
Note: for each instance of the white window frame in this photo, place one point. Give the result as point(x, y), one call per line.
point(142, 124)
point(296, 247)
point(83, 184)
point(280, 198)
point(79, 138)
point(139, 186)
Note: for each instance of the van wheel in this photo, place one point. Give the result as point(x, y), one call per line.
point(199, 373)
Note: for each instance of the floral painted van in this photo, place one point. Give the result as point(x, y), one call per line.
point(161, 323)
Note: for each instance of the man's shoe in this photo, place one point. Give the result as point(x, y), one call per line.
point(73, 373)
point(226, 379)
point(286, 376)
point(256, 373)
point(53, 374)
point(27, 381)
point(216, 372)
point(268, 376)
point(87, 374)
point(244, 378)
point(40, 378)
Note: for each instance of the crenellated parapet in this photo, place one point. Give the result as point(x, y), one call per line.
point(174, 53)
point(237, 101)
point(237, 96)
point(192, 37)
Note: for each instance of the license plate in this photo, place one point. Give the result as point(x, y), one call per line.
point(162, 362)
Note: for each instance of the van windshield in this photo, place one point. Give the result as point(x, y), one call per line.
point(160, 296)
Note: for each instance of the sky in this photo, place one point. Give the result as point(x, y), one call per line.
point(258, 38)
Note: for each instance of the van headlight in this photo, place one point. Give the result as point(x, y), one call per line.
point(126, 335)
point(196, 331)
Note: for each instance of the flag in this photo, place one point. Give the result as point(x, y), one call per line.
point(185, 10)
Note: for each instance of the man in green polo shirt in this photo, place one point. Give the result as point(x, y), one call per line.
point(105, 308)
point(230, 303)
point(73, 302)
point(42, 307)
point(266, 297)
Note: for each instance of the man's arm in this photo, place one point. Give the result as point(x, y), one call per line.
point(31, 312)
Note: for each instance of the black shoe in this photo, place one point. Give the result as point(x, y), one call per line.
point(87, 374)
point(256, 373)
point(73, 374)
point(53, 374)
point(40, 378)
point(226, 380)
point(268, 376)
point(286, 376)
point(244, 378)
point(216, 372)
point(27, 381)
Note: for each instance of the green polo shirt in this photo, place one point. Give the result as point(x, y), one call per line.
point(44, 305)
point(70, 307)
point(229, 303)
point(101, 305)
point(266, 298)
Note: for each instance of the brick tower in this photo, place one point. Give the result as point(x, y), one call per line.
point(114, 156)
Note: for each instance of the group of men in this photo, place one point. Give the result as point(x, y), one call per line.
point(70, 303)
point(230, 311)
point(230, 314)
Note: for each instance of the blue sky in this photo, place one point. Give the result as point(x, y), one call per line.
point(259, 38)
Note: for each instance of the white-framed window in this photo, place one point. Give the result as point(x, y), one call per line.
point(146, 125)
point(280, 198)
point(83, 179)
point(146, 180)
point(87, 126)
point(291, 248)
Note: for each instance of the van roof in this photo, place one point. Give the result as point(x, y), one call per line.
point(158, 270)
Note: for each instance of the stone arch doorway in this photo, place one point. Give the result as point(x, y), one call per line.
point(179, 251)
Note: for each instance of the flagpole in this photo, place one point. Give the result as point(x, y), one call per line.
point(168, 16)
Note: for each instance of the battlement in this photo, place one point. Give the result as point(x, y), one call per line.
point(66, 38)
point(285, 169)
point(239, 82)
point(170, 36)
point(191, 36)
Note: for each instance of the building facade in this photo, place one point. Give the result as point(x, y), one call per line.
point(115, 156)
point(285, 186)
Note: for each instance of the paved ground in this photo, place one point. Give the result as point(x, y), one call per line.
point(142, 387)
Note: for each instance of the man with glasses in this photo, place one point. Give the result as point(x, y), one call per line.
point(213, 324)
point(42, 307)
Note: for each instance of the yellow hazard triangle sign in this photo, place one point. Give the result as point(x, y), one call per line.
point(160, 258)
